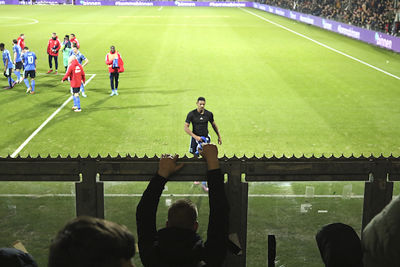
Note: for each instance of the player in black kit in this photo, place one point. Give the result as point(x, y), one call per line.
point(200, 118)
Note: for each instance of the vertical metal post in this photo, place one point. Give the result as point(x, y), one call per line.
point(378, 192)
point(237, 193)
point(89, 192)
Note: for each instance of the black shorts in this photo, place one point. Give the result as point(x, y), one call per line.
point(193, 144)
point(30, 73)
point(18, 65)
point(76, 90)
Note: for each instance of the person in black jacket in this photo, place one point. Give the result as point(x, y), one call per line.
point(178, 245)
point(12, 257)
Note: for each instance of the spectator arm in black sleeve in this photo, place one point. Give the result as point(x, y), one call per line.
point(146, 218)
point(218, 223)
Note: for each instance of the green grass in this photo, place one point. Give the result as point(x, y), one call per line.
point(271, 92)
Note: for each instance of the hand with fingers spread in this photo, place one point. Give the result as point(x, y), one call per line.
point(210, 154)
point(168, 166)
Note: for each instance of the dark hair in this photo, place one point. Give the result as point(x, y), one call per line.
point(201, 99)
point(21, 34)
point(87, 241)
point(26, 48)
point(15, 41)
point(73, 34)
point(182, 214)
point(67, 36)
point(2, 45)
point(339, 245)
point(54, 33)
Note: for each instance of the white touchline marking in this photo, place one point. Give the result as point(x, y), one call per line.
point(321, 44)
point(13, 155)
point(186, 195)
point(160, 8)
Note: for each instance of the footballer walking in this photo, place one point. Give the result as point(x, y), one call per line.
point(29, 59)
point(81, 60)
point(115, 67)
point(8, 66)
point(17, 60)
point(200, 117)
point(76, 76)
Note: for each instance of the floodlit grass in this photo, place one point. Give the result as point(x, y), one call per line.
point(271, 92)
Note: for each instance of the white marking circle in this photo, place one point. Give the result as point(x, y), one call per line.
point(29, 21)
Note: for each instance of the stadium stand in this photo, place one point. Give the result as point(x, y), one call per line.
point(378, 15)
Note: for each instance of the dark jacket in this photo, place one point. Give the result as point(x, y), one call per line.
point(176, 247)
point(12, 257)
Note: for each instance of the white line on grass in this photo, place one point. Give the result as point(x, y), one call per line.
point(13, 155)
point(321, 44)
point(160, 8)
point(32, 21)
point(184, 195)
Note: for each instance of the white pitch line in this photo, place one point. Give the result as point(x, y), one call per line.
point(160, 8)
point(321, 44)
point(13, 155)
point(185, 195)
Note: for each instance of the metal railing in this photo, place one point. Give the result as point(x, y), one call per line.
point(90, 173)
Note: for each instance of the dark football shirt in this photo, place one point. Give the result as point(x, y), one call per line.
point(200, 121)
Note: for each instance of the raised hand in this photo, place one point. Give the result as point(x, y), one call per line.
point(168, 166)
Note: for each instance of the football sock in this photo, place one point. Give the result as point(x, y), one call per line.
point(204, 183)
point(26, 82)
point(10, 81)
point(78, 102)
point(18, 73)
point(82, 89)
point(33, 85)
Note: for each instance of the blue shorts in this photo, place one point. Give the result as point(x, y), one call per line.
point(193, 144)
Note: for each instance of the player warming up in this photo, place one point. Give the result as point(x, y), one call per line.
point(8, 66)
point(115, 67)
point(29, 59)
point(17, 60)
point(81, 59)
point(53, 47)
point(76, 75)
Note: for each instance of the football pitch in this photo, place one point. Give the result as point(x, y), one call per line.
point(274, 88)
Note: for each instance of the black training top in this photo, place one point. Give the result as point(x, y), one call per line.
point(200, 121)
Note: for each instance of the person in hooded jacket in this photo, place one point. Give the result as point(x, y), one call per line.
point(76, 77)
point(381, 237)
point(339, 246)
point(178, 244)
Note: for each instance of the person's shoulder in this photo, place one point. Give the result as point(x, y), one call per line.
point(192, 112)
point(207, 112)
